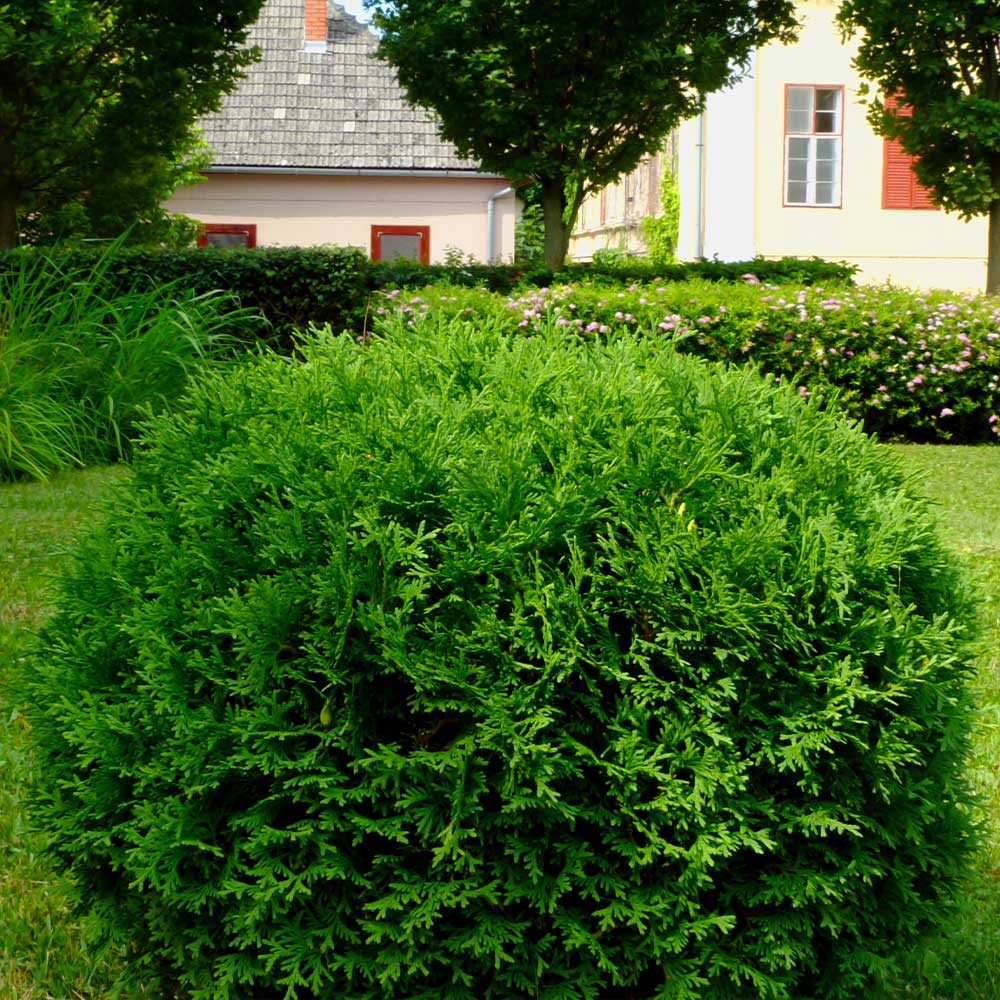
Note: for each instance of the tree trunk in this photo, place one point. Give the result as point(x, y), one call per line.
point(8, 220)
point(8, 188)
point(993, 254)
point(993, 239)
point(554, 219)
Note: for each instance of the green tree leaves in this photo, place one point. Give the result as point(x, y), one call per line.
point(97, 104)
point(572, 94)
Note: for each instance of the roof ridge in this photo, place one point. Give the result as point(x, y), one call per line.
point(337, 13)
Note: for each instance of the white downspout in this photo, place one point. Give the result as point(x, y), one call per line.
point(699, 215)
point(491, 222)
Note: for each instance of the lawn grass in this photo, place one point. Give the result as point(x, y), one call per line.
point(42, 955)
point(962, 962)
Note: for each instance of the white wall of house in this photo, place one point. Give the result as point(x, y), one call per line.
point(611, 219)
point(717, 176)
point(691, 189)
point(312, 209)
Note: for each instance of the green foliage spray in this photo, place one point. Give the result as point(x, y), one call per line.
point(462, 667)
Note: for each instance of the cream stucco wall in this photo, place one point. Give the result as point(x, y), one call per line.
point(917, 248)
point(731, 177)
point(311, 209)
point(611, 219)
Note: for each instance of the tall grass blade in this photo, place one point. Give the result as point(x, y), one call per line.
point(80, 366)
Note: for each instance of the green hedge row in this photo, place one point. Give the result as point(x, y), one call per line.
point(293, 287)
point(507, 278)
point(289, 287)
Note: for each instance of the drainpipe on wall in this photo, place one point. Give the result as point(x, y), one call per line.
point(490, 221)
point(699, 213)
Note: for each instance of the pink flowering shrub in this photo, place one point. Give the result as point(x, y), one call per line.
point(921, 367)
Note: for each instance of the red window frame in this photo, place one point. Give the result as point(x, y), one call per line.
point(839, 134)
point(901, 190)
point(247, 230)
point(423, 232)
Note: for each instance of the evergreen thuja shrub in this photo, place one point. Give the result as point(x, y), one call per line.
point(463, 667)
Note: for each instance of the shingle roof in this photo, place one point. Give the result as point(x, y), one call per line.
point(338, 109)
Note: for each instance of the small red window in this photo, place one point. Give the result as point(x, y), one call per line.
point(900, 187)
point(228, 234)
point(401, 243)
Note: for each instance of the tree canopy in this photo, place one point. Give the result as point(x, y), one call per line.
point(570, 94)
point(98, 100)
point(942, 59)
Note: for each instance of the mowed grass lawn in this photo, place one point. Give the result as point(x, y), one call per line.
point(42, 950)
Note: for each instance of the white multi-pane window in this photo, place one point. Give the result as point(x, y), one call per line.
point(813, 145)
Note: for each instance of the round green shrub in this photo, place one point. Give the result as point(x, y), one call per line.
point(462, 667)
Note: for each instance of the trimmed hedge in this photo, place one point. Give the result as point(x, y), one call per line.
point(506, 279)
point(294, 288)
point(290, 287)
point(459, 666)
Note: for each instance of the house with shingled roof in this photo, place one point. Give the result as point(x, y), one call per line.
point(319, 146)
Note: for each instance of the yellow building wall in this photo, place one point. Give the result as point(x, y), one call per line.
point(611, 218)
point(922, 249)
point(310, 210)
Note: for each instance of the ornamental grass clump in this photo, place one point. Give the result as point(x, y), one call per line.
point(466, 666)
point(82, 363)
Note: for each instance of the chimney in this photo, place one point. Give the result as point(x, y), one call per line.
point(315, 40)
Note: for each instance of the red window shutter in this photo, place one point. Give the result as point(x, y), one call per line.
point(897, 176)
point(228, 234)
point(921, 196)
point(900, 187)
